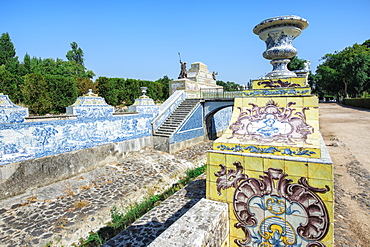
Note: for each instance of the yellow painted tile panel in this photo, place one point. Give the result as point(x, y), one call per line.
point(231, 212)
point(298, 80)
point(214, 195)
point(247, 101)
point(296, 168)
point(211, 170)
point(236, 233)
point(229, 194)
point(253, 163)
point(238, 102)
point(320, 171)
point(311, 101)
point(330, 207)
point(273, 163)
point(314, 141)
point(298, 103)
point(231, 159)
point(314, 123)
point(254, 174)
point(312, 113)
point(216, 159)
point(320, 183)
point(256, 82)
point(208, 189)
point(294, 178)
point(232, 242)
point(262, 101)
point(328, 240)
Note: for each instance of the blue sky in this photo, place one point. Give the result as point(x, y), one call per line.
point(141, 38)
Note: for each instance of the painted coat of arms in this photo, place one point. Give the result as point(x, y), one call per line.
point(273, 211)
point(266, 124)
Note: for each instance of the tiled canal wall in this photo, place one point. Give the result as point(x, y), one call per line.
point(31, 140)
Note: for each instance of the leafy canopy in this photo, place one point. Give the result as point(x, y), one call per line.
point(346, 73)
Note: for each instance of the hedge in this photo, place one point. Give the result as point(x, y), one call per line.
point(358, 102)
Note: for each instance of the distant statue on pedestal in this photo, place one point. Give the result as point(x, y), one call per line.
point(214, 75)
point(183, 73)
point(307, 65)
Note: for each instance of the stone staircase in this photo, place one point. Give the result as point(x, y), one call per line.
point(176, 118)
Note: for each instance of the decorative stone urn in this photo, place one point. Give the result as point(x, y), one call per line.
point(143, 90)
point(278, 34)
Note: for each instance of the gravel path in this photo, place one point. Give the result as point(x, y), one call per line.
point(346, 132)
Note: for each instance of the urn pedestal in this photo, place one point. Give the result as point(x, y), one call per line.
point(278, 34)
point(271, 165)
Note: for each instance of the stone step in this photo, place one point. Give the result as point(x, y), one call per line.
point(164, 130)
point(162, 134)
point(169, 127)
point(172, 129)
point(176, 118)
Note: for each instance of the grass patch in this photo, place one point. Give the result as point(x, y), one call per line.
point(122, 220)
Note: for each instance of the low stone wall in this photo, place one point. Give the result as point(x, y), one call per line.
point(205, 224)
point(17, 178)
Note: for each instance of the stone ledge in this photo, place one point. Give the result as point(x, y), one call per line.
point(205, 224)
point(20, 177)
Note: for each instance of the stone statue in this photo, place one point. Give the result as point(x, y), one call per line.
point(307, 65)
point(214, 75)
point(183, 73)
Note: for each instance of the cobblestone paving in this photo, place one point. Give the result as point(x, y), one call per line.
point(62, 213)
point(152, 224)
point(343, 220)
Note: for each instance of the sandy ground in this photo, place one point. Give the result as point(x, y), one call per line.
point(346, 132)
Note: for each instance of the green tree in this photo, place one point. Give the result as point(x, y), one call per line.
point(154, 91)
point(62, 90)
point(76, 54)
point(25, 67)
point(37, 94)
point(7, 54)
point(296, 64)
point(84, 84)
point(7, 50)
point(132, 90)
point(108, 90)
point(8, 83)
point(165, 82)
point(230, 86)
point(366, 43)
point(76, 59)
point(345, 73)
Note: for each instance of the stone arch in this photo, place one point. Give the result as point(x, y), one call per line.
point(210, 127)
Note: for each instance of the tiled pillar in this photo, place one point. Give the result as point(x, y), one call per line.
point(273, 169)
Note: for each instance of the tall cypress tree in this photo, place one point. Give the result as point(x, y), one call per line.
point(7, 50)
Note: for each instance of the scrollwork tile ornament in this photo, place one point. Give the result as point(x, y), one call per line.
point(274, 211)
point(266, 124)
